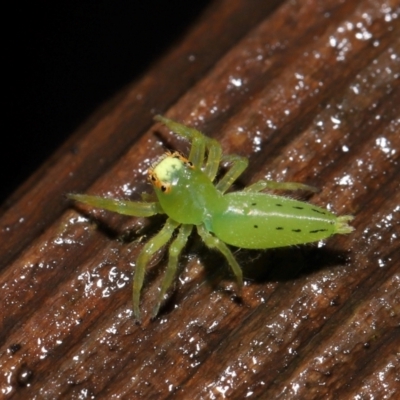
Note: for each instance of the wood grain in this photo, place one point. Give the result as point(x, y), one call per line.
point(309, 92)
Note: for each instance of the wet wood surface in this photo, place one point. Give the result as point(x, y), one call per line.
point(308, 92)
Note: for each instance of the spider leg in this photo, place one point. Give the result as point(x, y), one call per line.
point(174, 252)
point(197, 139)
point(239, 164)
point(151, 247)
point(197, 151)
point(272, 185)
point(213, 159)
point(125, 207)
point(213, 242)
point(199, 145)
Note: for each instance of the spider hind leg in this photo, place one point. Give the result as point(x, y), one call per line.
point(213, 242)
point(273, 185)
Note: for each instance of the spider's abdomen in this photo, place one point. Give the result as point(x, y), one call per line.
point(261, 221)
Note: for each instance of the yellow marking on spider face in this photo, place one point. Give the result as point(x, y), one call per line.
point(165, 169)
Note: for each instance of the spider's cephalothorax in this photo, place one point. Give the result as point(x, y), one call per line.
point(174, 178)
point(187, 194)
point(166, 171)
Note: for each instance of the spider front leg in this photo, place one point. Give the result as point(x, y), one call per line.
point(175, 250)
point(199, 144)
point(151, 247)
point(214, 243)
point(272, 185)
point(239, 164)
point(197, 139)
point(124, 207)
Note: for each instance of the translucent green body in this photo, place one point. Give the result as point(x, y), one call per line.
point(244, 219)
point(188, 194)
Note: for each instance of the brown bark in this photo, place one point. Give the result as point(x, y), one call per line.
point(309, 92)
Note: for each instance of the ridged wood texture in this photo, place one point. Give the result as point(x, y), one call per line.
point(309, 92)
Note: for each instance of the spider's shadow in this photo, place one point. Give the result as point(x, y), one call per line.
point(273, 265)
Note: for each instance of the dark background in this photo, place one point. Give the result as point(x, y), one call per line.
point(65, 59)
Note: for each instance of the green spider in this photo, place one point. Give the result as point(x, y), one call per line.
point(189, 197)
